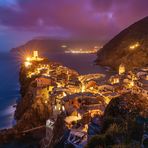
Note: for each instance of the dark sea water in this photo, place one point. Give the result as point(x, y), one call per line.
point(83, 63)
point(9, 89)
point(9, 86)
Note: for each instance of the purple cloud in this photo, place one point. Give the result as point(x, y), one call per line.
point(93, 19)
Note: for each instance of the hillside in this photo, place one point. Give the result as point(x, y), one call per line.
point(129, 47)
point(51, 45)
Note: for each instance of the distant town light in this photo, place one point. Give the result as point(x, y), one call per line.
point(64, 46)
point(96, 47)
point(81, 51)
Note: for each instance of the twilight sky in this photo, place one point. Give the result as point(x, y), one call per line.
point(22, 20)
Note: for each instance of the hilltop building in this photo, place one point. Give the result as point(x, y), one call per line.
point(121, 69)
point(35, 54)
point(34, 57)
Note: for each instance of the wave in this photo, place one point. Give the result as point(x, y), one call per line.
point(8, 111)
point(7, 117)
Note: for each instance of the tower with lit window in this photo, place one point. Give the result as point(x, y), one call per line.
point(35, 54)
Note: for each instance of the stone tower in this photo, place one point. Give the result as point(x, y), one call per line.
point(35, 54)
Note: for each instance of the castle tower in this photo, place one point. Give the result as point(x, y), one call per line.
point(35, 54)
point(121, 69)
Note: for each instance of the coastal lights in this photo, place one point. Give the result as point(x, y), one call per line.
point(34, 57)
point(64, 46)
point(81, 51)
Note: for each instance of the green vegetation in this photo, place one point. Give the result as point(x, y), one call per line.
point(115, 136)
point(123, 123)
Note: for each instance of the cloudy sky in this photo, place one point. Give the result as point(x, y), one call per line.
point(22, 20)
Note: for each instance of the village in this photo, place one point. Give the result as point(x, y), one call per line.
point(81, 98)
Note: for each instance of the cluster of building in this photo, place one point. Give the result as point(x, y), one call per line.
point(135, 81)
point(82, 98)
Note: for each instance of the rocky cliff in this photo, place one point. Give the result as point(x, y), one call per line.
point(129, 47)
point(31, 111)
point(37, 82)
point(126, 106)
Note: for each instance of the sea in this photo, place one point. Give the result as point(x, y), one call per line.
point(9, 89)
point(9, 79)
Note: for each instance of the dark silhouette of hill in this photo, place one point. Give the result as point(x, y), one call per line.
point(129, 47)
point(44, 44)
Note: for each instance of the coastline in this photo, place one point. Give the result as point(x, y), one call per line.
point(17, 100)
point(89, 58)
point(53, 93)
